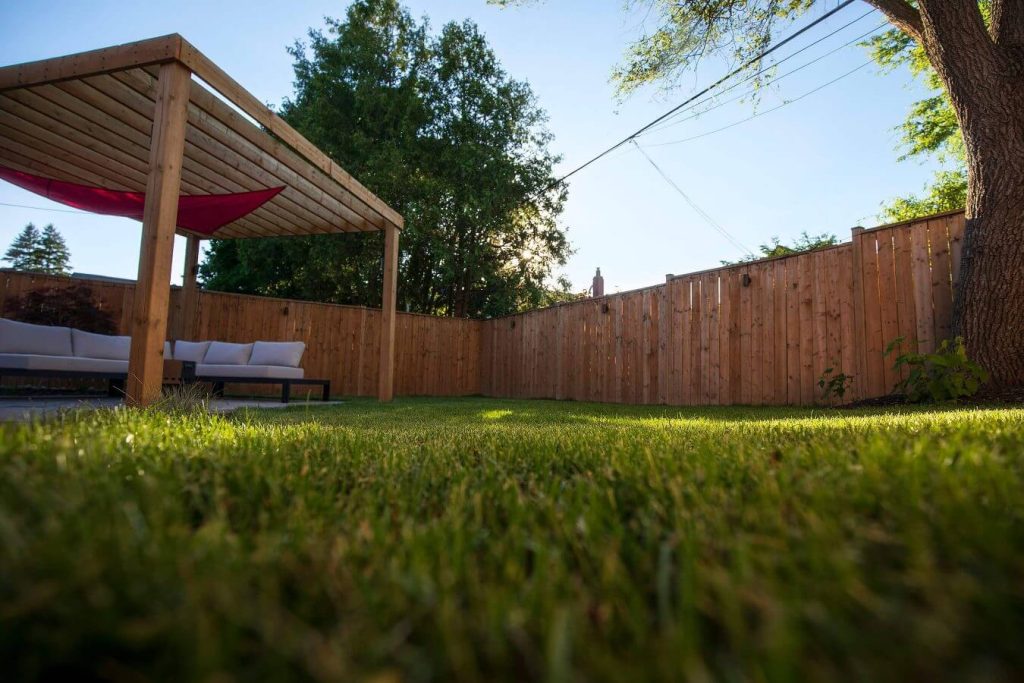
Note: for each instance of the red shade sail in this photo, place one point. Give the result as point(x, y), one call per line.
point(204, 214)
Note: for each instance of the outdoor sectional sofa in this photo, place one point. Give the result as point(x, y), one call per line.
point(260, 362)
point(44, 351)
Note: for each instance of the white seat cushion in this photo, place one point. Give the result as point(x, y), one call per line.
point(90, 345)
point(223, 353)
point(46, 340)
point(285, 354)
point(192, 352)
point(29, 361)
point(248, 371)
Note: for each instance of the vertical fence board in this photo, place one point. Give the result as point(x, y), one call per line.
point(888, 302)
point(942, 277)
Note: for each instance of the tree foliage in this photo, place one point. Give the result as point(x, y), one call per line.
point(55, 253)
point(73, 306)
point(434, 125)
point(39, 252)
point(23, 252)
point(929, 131)
point(775, 248)
point(676, 36)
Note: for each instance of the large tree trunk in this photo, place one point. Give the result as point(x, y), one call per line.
point(988, 309)
point(982, 69)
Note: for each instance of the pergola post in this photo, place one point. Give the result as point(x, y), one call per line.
point(385, 387)
point(189, 289)
point(152, 289)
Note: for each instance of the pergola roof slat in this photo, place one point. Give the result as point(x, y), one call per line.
point(122, 128)
point(110, 170)
point(198, 160)
point(215, 145)
point(223, 83)
point(290, 166)
point(23, 152)
point(96, 110)
point(121, 170)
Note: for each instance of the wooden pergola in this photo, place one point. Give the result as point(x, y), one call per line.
point(142, 117)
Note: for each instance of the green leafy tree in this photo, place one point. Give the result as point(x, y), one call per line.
point(54, 254)
point(775, 248)
point(437, 128)
point(930, 130)
point(977, 52)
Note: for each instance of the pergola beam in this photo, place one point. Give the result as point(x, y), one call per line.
point(105, 60)
point(152, 289)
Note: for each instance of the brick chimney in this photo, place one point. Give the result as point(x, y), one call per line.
point(598, 287)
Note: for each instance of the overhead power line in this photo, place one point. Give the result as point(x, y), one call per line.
point(753, 60)
point(766, 111)
point(775, 79)
point(45, 208)
point(693, 205)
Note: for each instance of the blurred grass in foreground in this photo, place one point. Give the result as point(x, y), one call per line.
point(485, 539)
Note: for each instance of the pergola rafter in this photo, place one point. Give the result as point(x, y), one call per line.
point(132, 117)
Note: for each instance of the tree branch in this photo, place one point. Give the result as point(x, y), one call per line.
point(902, 15)
point(1008, 23)
point(956, 25)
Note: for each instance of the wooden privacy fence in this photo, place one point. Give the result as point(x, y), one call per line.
point(760, 333)
point(757, 333)
point(433, 356)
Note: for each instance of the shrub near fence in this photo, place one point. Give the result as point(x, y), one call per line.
point(759, 333)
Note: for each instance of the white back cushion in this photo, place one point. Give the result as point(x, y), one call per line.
point(192, 352)
point(91, 345)
point(284, 354)
point(223, 353)
point(43, 340)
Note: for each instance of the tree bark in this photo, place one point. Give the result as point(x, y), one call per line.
point(982, 69)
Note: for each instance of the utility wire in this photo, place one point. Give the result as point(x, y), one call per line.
point(46, 208)
point(673, 110)
point(674, 121)
point(693, 205)
point(747, 93)
point(766, 111)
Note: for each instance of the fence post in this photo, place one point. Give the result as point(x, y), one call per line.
point(664, 341)
point(858, 341)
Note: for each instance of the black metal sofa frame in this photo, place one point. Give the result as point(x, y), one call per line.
point(286, 384)
point(116, 380)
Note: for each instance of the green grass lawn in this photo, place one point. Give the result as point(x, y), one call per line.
point(485, 539)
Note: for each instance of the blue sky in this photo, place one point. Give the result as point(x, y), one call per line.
point(823, 164)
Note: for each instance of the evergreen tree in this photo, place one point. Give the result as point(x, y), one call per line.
point(39, 252)
point(54, 255)
point(23, 254)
